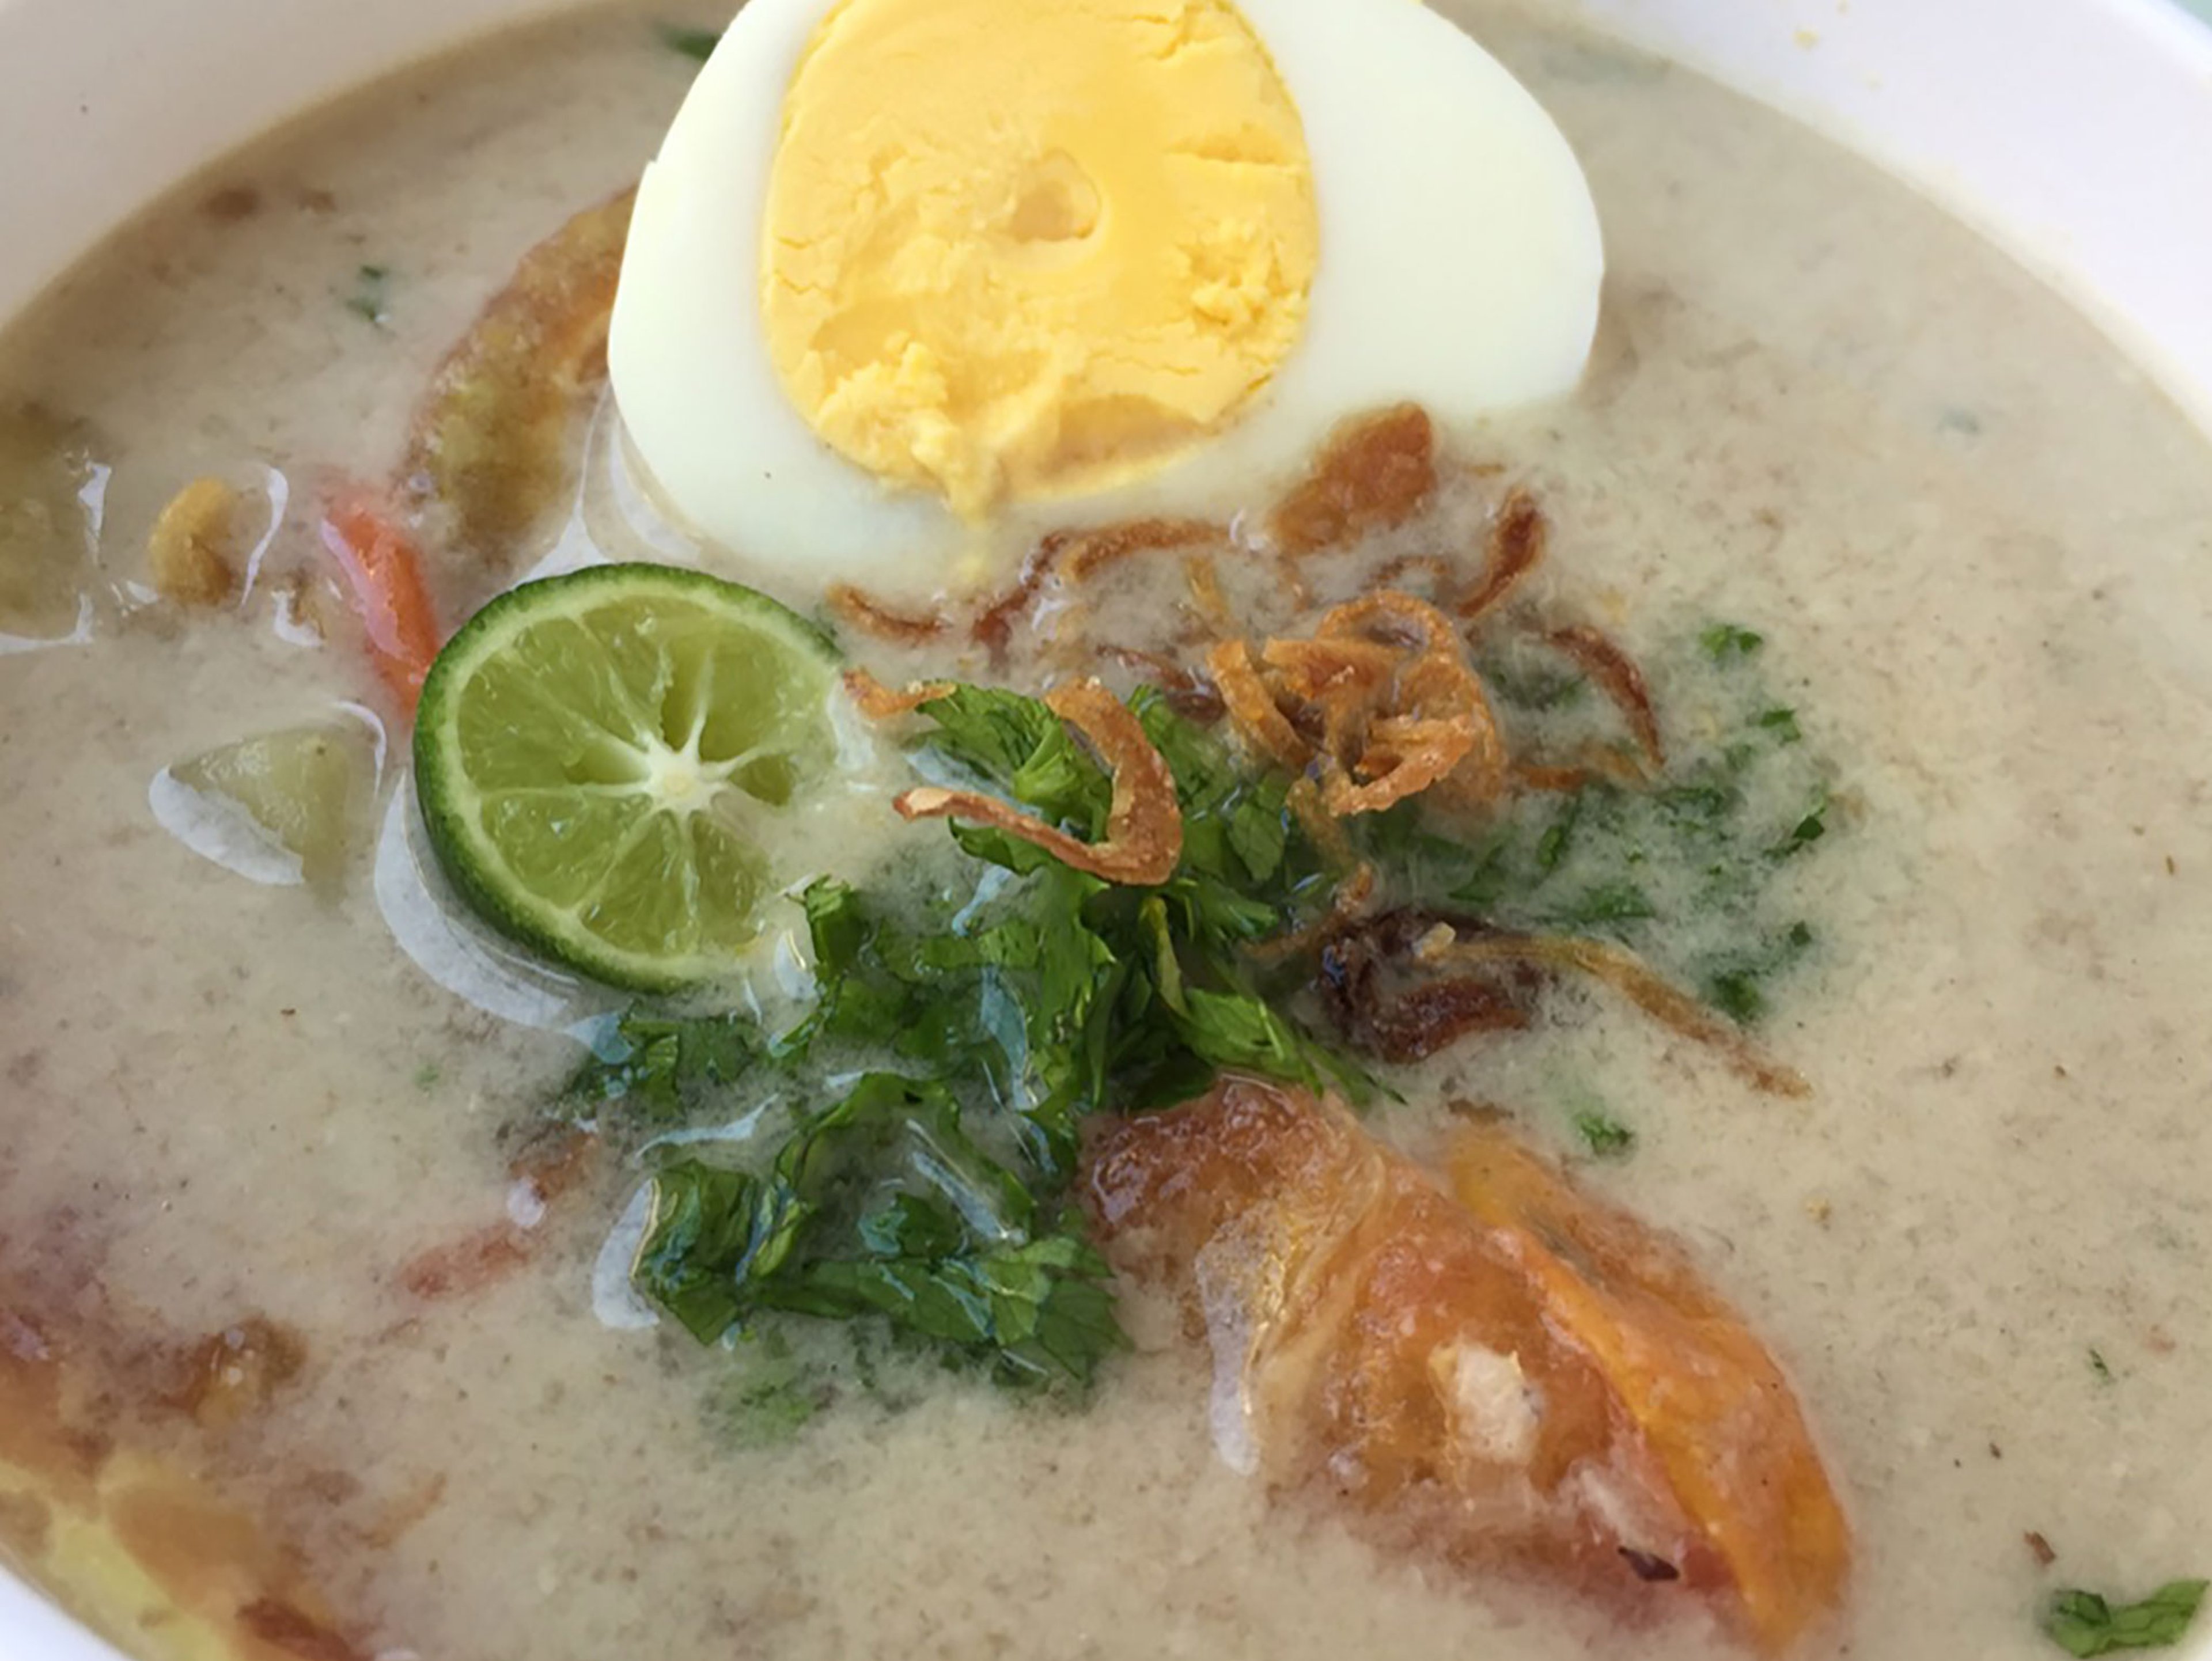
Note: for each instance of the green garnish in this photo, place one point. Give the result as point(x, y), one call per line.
point(697, 44)
point(1782, 722)
point(2099, 1366)
point(372, 294)
point(932, 1193)
point(884, 1205)
point(1607, 1138)
point(2084, 1623)
point(903, 1155)
point(1685, 873)
point(1724, 642)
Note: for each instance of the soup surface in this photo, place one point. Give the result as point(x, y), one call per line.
point(1973, 543)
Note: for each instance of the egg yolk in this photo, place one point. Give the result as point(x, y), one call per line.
point(1016, 249)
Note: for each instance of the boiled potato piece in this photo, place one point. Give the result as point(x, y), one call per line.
point(48, 529)
point(190, 553)
point(307, 789)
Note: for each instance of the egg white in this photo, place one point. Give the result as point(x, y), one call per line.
point(1460, 264)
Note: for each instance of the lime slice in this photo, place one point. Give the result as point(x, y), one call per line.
point(605, 759)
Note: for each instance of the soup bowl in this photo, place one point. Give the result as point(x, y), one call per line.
point(2076, 134)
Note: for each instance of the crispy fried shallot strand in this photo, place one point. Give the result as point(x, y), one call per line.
point(1381, 705)
point(1617, 677)
point(1593, 766)
point(1375, 473)
point(1518, 534)
point(871, 617)
point(1203, 578)
point(1635, 981)
point(1188, 693)
point(881, 703)
point(1079, 555)
point(1144, 826)
point(1404, 1018)
point(1253, 708)
point(1441, 711)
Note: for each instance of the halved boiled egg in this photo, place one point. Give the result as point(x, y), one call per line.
point(913, 281)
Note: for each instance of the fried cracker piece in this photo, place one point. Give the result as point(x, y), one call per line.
point(496, 438)
point(1510, 1375)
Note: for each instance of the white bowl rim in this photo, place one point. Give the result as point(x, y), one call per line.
point(2076, 133)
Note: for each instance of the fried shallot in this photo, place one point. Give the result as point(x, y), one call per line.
point(1629, 975)
point(1375, 473)
point(1143, 826)
point(1379, 705)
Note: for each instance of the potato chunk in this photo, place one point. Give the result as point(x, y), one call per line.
point(305, 791)
point(1512, 1374)
point(190, 552)
point(49, 525)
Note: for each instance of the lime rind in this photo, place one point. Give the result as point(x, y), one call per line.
point(603, 758)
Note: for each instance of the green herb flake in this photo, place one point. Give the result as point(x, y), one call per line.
point(372, 294)
point(2100, 1367)
point(697, 44)
point(427, 1077)
point(1782, 722)
point(1607, 1138)
point(2085, 1623)
point(1724, 642)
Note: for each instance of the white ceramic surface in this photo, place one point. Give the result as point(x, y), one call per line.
point(2078, 133)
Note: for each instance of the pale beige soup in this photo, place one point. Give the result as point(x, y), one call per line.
point(1976, 540)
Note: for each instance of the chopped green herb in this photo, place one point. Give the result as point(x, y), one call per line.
point(1782, 724)
point(931, 1193)
point(884, 1204)
point(2101, 1367)
point(769, 1396)
point(1736, 988)
point(1605, 1136)
point(657, 1066)
point(1724, 642)
point(2083, 1623)
point(372, 294)
point(427, 1077)
point(1806, 832)
point(697, 44)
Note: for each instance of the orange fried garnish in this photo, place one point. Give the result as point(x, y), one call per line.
point(1498, 1378)
point(1189, 695)
point(1375, 473)
point(1636, 980)
point(1143, 826)
point(881, 703)
point(1620, 679)
point(1517, 539)
point(871, 617)
point(1709, 1402)
point(496, 438)
point(1076, 556)
point(1252, 707)
point(1380, 704)
point(1203, 578)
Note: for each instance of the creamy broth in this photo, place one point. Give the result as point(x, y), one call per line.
point(1976, 543)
